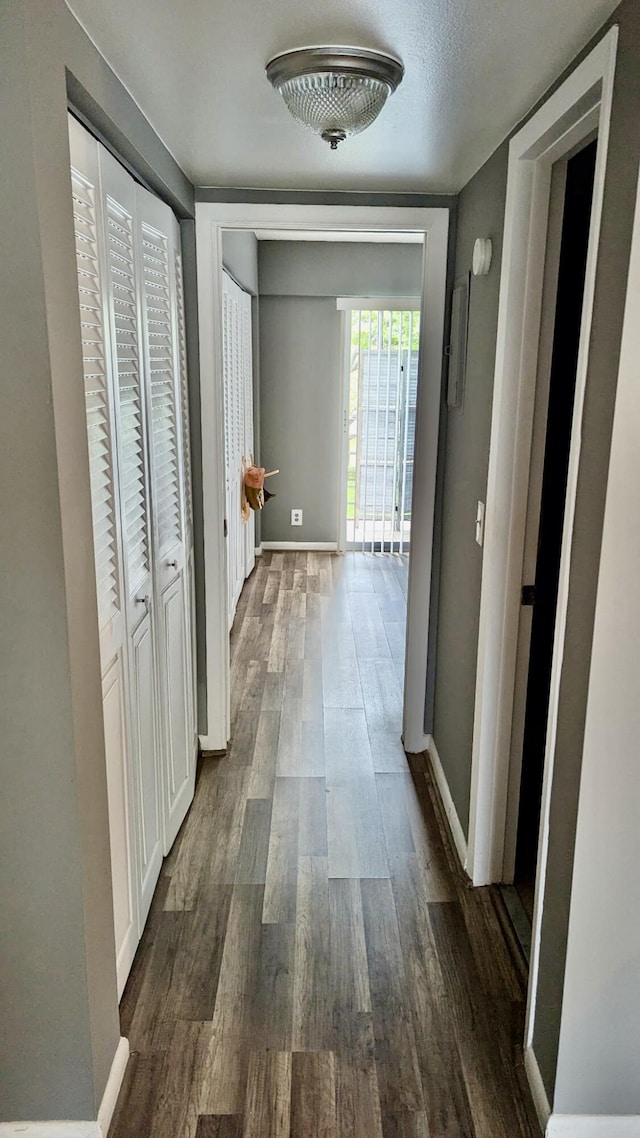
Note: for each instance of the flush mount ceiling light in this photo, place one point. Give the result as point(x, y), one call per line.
point(335, 91)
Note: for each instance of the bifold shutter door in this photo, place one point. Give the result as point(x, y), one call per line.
point(88, 212)
point(134, 355)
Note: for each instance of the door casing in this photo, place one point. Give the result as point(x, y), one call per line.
point(433, 224)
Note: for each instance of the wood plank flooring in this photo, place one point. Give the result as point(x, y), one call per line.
point(314, 965)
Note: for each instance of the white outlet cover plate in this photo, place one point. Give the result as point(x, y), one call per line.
point(296, 517)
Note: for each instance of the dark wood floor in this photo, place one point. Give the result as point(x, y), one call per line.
point(314, 965)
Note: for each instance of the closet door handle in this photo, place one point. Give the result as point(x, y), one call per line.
point(146, 601)
point(172, 564)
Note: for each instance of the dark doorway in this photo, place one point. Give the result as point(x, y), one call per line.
point(564, 360)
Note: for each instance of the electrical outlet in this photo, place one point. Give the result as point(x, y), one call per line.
point(296, 517)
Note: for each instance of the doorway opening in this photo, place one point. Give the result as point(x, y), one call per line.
point(381, 386)
point(563, 298)
point(432, 224)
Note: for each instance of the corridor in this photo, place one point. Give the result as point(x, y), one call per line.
point(314, 965)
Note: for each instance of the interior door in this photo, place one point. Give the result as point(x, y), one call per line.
point(159, 233)
point(123, 284)
point(570, 215)
point(235, 441)
point(187, 489)
point(247, 381)
point(107, 538)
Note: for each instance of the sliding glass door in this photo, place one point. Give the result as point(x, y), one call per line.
point(380, 412)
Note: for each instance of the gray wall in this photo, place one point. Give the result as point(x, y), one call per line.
point(300, 361)
point(59, 1009)
point(324, 197)
point(481, 212)
point(323, 268)
point(466, 441)
point(301, 368)
point(240, 257)
point(599, 1053)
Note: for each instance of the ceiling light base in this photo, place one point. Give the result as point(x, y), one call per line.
point(333, 137)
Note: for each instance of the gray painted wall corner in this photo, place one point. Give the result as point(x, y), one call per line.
point(240, 257)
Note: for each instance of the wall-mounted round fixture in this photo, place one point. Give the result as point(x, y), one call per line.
point(482, 253)
point(335, 91)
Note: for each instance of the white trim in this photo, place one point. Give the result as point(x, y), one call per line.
point(283, 546)
point(378, 303)
point(536, 1086)
point(455, 825)
point(114, 1082)
point(582, 102)
point(74, 1129)
point(428, 409)
point(593, 1126)
point(209, 268)
point(258, 550)
point(209, 743)
point(433, 223)
point(343, 430)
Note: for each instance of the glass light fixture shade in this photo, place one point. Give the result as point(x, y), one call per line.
point(335, 91)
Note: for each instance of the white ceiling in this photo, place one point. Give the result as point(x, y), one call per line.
point(473, 69)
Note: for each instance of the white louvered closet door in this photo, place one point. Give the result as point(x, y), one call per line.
point(247, 383)
point(135, 370)
point(124, 290)
point(159, 236)
point(87, 209)
point(238, 397)
point(188, 493)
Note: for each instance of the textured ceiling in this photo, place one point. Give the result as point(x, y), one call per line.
point(473, 69)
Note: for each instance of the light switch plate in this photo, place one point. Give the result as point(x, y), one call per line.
point(296, 517)
point(480, 523)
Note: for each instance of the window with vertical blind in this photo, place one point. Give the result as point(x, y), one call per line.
point(381, 389)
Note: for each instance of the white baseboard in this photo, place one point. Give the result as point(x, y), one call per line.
point(537, 1087)
point(72, 1128)
point(50, 1130)
point(593, 1126)
point(455, 826)
point(301, 546)
point(112, 1089)
point(258, 551)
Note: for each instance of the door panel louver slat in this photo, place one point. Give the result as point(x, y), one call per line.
point(162, 388)
point(123, 288)
point(96, 399)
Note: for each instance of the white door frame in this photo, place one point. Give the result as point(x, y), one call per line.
point(581, 105)
point(211, 219)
